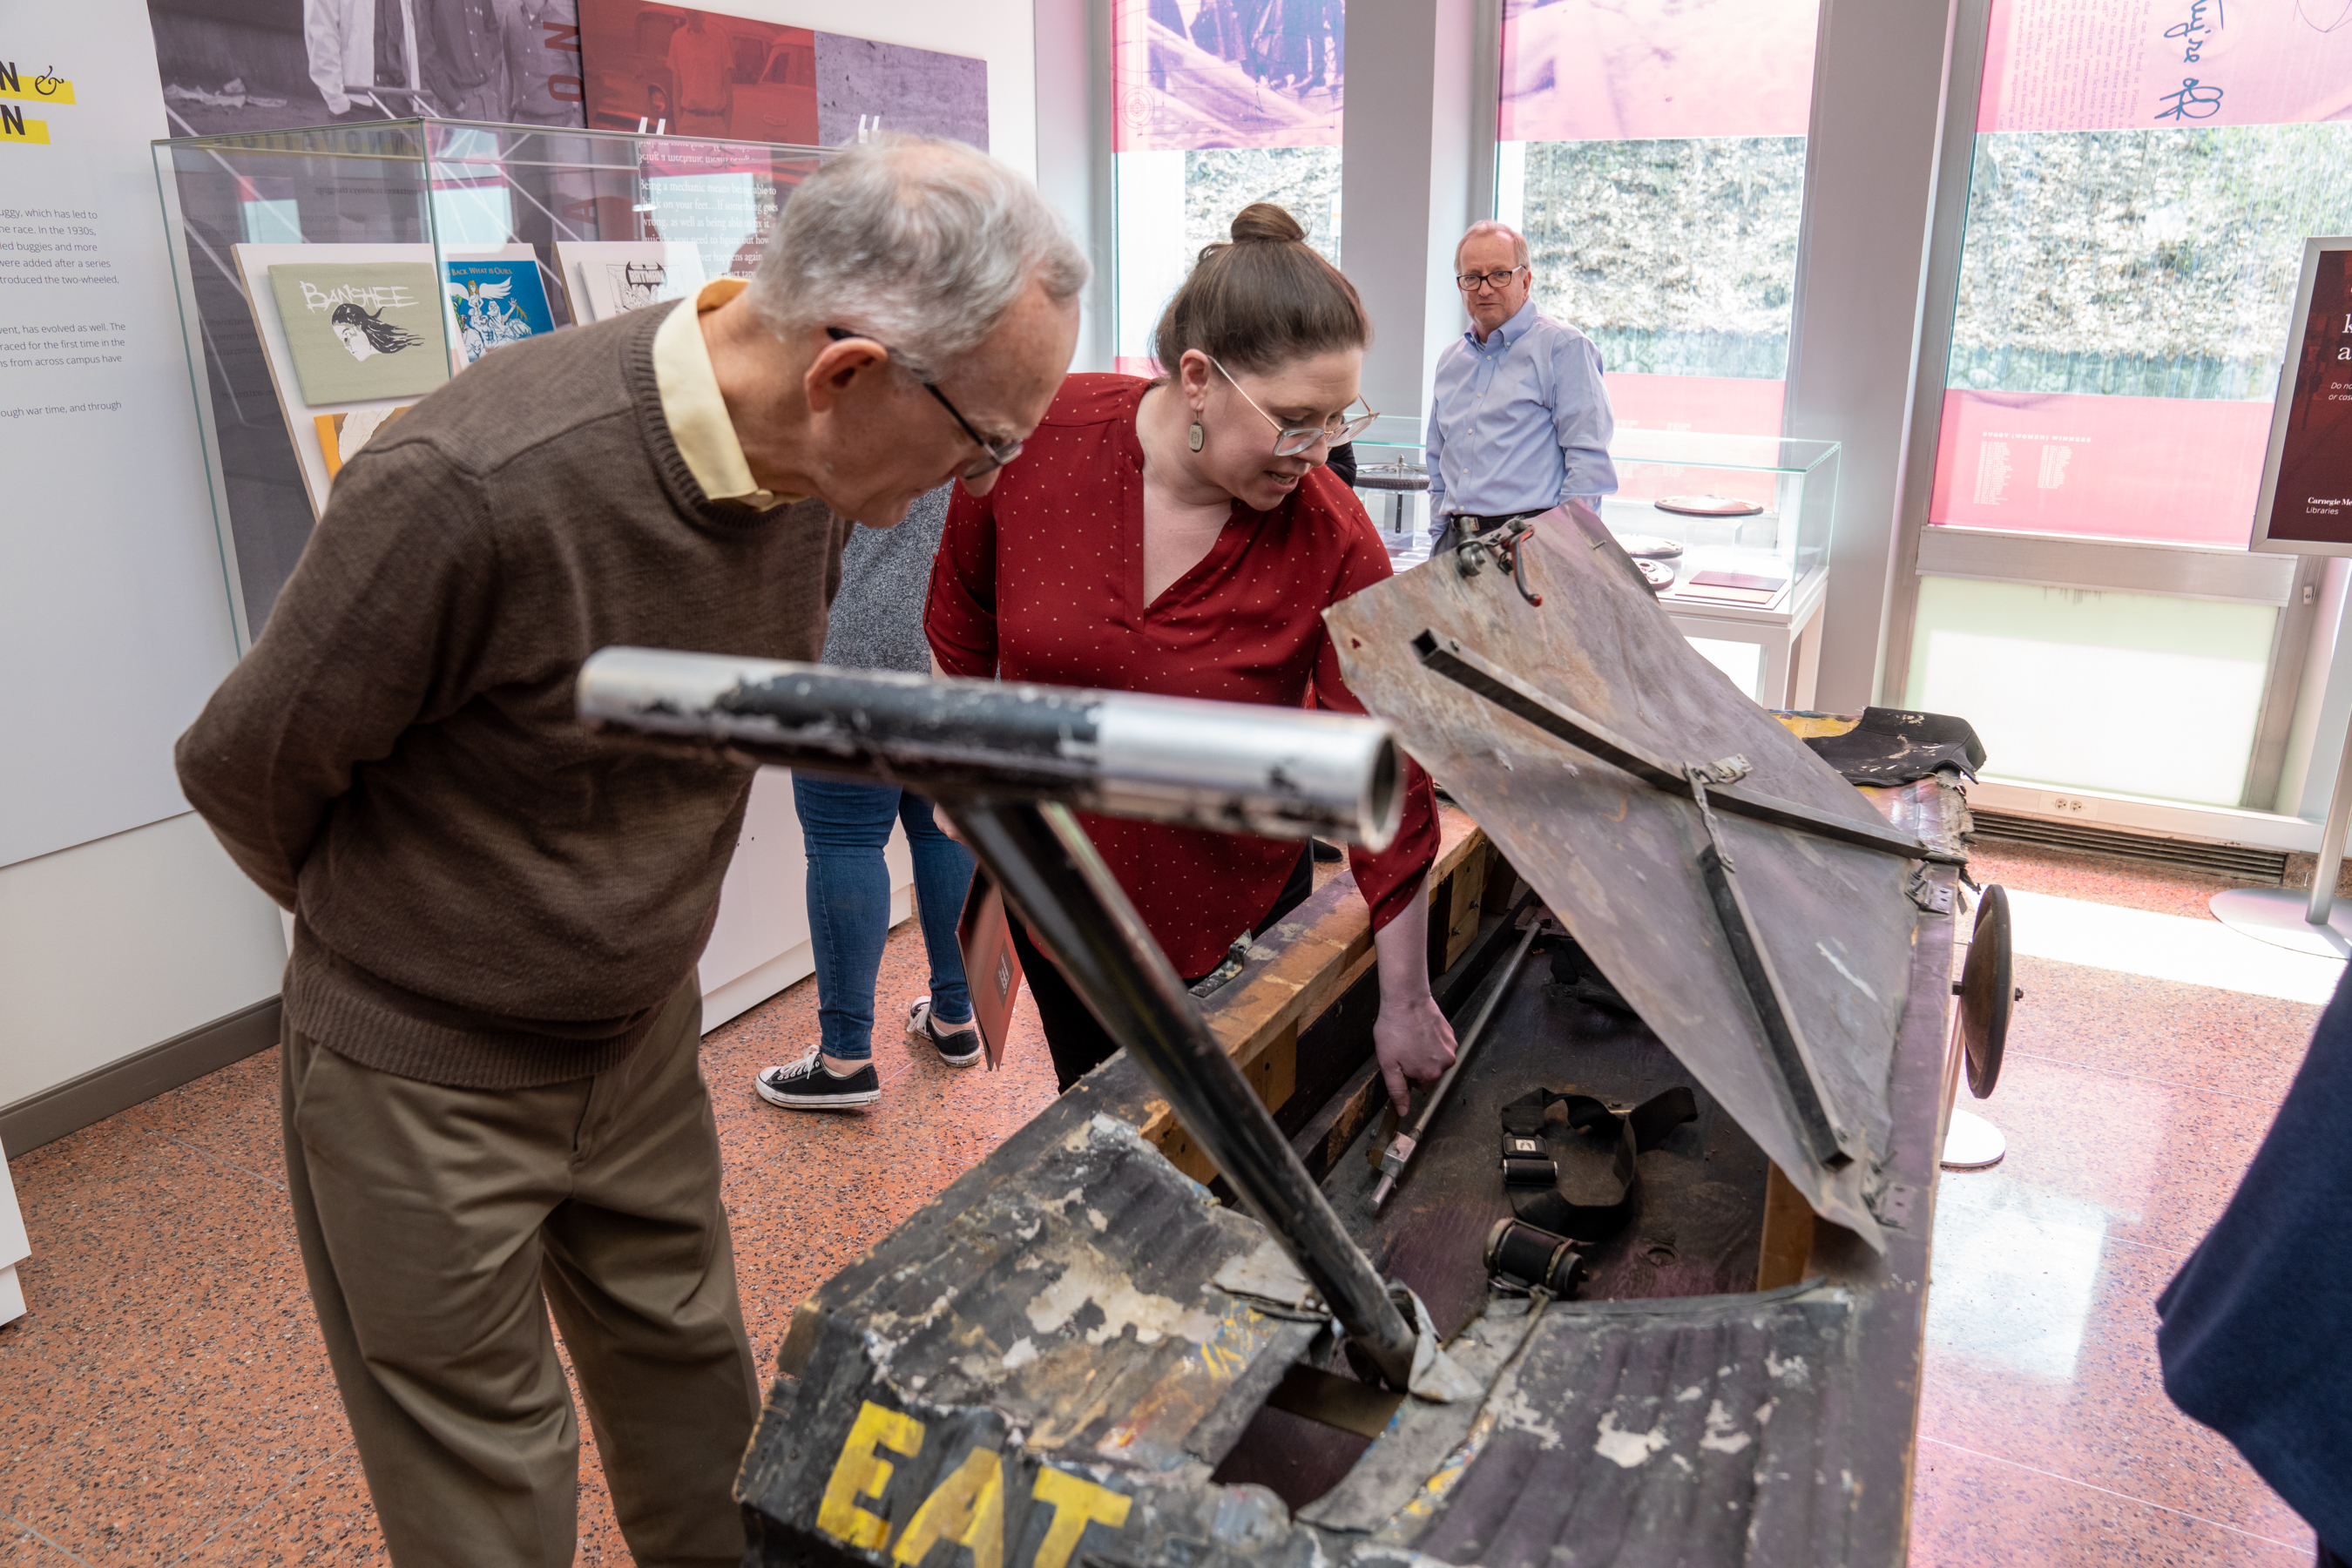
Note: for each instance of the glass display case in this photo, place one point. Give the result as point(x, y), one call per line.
point(1743, 523)
point(1393, 481)
point(330, 277)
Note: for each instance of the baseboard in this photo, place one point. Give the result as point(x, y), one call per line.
point(69, 1107)
point(746, 992)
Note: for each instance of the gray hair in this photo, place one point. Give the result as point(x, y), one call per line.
point(1492, 225)
point(922, 242)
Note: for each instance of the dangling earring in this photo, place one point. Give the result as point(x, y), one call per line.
point(1195, 436)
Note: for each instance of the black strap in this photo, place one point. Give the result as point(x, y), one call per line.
point(1582, 1203)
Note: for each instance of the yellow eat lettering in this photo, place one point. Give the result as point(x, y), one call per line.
point(863, 1473)
point(1077, 1504)
point(968, 1509)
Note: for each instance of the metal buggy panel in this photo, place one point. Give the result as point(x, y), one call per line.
point(1617, 856)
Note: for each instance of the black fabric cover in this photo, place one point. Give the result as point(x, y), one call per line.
point(2256, 1337)
point(1893, 746)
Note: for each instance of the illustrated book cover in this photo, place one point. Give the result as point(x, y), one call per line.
point(495, 303)
point(361, 331)
point(612, 278)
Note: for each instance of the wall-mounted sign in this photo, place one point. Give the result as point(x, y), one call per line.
point(2306, 497)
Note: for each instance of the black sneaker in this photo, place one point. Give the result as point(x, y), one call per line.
point(958, 1044)
point(809, 1085)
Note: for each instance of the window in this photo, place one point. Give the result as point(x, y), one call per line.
point(2143, 183)
point(2144, 177)
point(1217, 104)
point(1654, 154)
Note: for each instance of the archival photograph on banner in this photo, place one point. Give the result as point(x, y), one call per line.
point(496, 303)
point(609, 277)
point(1192, 74)
point(697, 73)
point(274, 64)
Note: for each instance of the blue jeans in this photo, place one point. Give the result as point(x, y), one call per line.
point(843, 828)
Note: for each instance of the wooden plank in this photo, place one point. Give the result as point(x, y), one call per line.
point(1788, 1233)
point(1310, 959)
point(1304, 964)
point(1468, 882)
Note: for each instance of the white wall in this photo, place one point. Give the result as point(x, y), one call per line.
point(110, 947)
point(1000, 32)
point(124, 924)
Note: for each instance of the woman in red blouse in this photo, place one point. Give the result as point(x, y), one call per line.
point(1181, 536)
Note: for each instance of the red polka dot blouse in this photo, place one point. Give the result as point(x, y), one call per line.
point(1042, 579)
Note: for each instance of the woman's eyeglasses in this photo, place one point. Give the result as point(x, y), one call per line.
point(1290, 440)
point(999, 452)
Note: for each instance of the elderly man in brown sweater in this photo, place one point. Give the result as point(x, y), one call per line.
point(492, 1104)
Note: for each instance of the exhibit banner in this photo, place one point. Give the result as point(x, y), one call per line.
point(690, 72)
point(115, 618)
point(1607, 71)
point(2179, 470)
point(230, 65)
point(1190, 75)
point(2115, 65)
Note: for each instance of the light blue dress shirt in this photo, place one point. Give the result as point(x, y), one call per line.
point(1520, 422)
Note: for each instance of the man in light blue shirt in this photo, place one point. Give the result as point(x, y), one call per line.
point(1519, 421)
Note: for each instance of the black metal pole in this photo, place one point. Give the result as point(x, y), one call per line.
point(1045, 864)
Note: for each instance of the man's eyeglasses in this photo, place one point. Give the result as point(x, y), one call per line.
point(1290, 440)
point(999, 452)
point(1470, 282)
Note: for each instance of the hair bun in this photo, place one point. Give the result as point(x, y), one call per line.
point(1265, 222)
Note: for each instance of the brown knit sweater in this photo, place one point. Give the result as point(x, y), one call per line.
point(485, 895)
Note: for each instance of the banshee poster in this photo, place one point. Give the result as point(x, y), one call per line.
point(359, 331)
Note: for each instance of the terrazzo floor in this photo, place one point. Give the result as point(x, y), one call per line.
point(167, 1399)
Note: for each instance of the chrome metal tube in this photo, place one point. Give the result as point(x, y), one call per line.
point(1043, 859)
point(1279, 773)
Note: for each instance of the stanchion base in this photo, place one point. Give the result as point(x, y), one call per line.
point(1972, 1144)
point(2276, 915)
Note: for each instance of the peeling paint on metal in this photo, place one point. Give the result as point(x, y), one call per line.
point(1122, 1307)
point(1630, 1449)
point(1723, 1434)
point(1517, 1411)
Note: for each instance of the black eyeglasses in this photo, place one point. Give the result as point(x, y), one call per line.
point(1470, 282)
point(999, 452)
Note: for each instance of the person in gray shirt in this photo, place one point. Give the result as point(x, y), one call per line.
point(877, 623)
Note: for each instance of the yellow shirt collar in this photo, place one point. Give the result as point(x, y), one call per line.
point(697, 413)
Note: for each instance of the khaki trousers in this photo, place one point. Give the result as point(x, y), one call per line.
point(438, 1227)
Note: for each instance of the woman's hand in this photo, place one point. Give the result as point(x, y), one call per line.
point(1414, 1042)
point(1412, 1037)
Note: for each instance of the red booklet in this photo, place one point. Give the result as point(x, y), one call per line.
point(992, 965)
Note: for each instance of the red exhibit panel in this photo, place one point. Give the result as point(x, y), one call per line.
point(697, 73)
point(2174, 469)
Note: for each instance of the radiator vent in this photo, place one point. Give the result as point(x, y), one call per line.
point(2233, 860)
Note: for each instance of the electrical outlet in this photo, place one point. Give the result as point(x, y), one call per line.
point(2072, 805)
